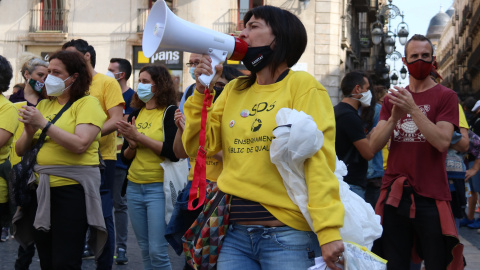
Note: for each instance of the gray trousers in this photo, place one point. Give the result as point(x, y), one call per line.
point(120, 209)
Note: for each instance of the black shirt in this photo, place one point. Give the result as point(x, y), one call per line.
point(349, 129)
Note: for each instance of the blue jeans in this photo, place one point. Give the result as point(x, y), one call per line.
point(146, 208)
point(267, 248)
point(358, 190)
point(105, 261)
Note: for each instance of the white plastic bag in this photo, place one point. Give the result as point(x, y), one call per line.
point(360, 225)
point(355, 257)
point(360, 258)
point(296, 139)
point(175, 178)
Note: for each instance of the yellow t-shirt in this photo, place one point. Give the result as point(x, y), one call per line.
point(108, 92)
point(462, 121)
point(146, 168)
point(214, 168)
point(241, 124)
point(14, 158)
point(86, 110)
point(9, 122)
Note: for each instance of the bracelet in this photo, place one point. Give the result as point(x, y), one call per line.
point(47, 126)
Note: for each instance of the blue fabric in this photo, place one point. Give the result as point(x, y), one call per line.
point(146, 208)
point(375, 165)
point(184, 98)
point(267, 248)
point(105, 261)
point(456, 137)
point(474, 181)
point(127, 96)
point(177, 226)
point(360, 191)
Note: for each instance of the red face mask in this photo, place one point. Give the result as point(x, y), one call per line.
point(419, 69)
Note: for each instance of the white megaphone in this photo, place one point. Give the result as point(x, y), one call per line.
point(167, 31)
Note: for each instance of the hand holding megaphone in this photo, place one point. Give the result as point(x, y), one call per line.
point(207, 70)
point(166, 31)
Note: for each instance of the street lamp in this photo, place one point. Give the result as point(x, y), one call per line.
point(389, 12)
point(402, 31)
point(377, 32)
point(403, 72)
point(305, 3)
point(394, 79)
point(389, 44)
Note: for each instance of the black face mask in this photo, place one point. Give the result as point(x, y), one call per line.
point(257, 58)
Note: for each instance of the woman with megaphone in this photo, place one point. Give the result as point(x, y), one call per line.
point(267, 230)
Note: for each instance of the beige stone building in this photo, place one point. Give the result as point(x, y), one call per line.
point(459, 49)
point(338, 31)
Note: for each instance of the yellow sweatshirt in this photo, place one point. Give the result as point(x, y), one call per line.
point(241, 124)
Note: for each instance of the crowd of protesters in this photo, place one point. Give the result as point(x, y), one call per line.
point(410, 152)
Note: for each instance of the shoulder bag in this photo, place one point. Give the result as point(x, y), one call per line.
point(203, 240)
point(20, 191)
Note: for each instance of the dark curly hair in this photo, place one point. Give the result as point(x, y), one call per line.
point(75, 63)
point(166, 94)
point(6, 74)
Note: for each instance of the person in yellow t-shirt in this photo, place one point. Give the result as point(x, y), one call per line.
point(182, 218)
point(34, 71)
point(8, 126)
point(108, 92)
point(72, 143)
point(148, 141)
point(241, 123)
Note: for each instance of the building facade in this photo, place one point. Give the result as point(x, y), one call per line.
point(338, 32)
point(459, 49)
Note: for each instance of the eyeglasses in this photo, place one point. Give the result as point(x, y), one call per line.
point(190, 64)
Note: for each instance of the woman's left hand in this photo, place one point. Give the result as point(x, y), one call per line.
point(31, 116)
point(128, 130)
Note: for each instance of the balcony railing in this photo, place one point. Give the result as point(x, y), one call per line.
point(350, 37)
point(445, 58)
point(142, 15)
point(474, 26)
point(51, 20)
point(230, 22)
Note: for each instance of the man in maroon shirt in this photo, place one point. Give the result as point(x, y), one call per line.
point(414, 201)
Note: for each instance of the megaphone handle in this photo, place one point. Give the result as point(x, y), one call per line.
point(218, 57)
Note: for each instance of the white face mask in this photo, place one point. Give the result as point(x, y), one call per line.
point(55, 86)
point(111, 74)
point(365, 99)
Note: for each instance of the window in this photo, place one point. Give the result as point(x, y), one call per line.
point(243, 7)
point(168, 2)
point(51, 15)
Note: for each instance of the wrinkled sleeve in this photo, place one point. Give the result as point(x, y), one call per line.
point(324, 203)
point(193, 112)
